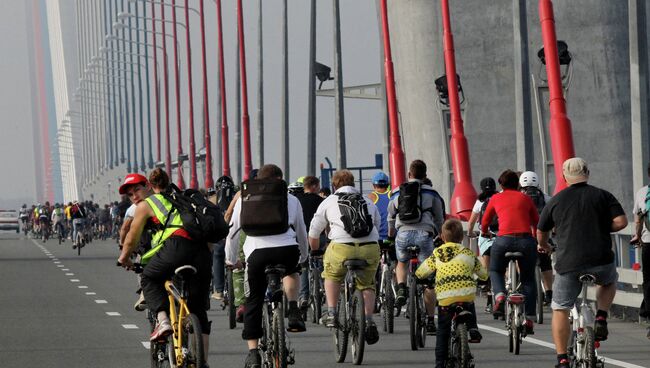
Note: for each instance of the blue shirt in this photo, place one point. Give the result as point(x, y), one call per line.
point(383, 199)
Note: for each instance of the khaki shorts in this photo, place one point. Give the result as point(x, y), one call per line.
point(337, 253)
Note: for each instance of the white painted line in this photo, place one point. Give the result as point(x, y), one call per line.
point(101, 301)
point(74, 280)
point(113, 314)
point(57, 262)
point(60, 265)
point(55, 259)
point(91, 293)
point(65, 269)
point(130, 327)
point(82, 287)
point(552, 346)
point(146, 344)
point(69, 274)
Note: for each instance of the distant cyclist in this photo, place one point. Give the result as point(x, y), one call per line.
point(78, 214)
point(58, 219)
point(44, 218)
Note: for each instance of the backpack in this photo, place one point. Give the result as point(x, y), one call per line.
point(225, 193)
point(537, 196)
point(409, 203)
point(264, 207)
point(494, 224)
point(201, 218)
point(354, 214)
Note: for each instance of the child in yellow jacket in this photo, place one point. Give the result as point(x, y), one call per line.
point(456, 268)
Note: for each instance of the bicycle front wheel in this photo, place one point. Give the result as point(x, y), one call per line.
point(279, 338)
point(340, 332)
point(192, 342)
point(358, 327)
point(539, 309)
point(413, 315)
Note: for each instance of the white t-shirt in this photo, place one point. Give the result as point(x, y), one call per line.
point(477, 206)
point(639, 207)
point(130, 212)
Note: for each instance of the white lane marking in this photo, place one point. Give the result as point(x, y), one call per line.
point(130, 327)
point(60, 265)
point(82, 287)
point(113, 314)
point(65, 269)
point(552, 346)
point(146, 344)
point(74, 280)
point(69, 274)
point(91, 293)
point(101, 301)
point(57, 262)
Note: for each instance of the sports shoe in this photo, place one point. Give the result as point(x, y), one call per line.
point(528, 324)
point(600, 329)
point(217, 295)
point(140, 304)
point(162, 329)
point(475, 335)
point(74, 246)
point(253, 360)
point(402, 295)
point(239, 314)
point(431, 326)
point(563, 363)
point(499, 304)
point(372, 335)
point(328, 320)
point(303, 303)
point(296, 324)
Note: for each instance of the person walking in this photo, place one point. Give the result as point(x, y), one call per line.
point(641, 239)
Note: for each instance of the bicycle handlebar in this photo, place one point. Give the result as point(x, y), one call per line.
point(137, 267)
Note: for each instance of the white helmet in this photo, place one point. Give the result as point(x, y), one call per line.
point(528, 179)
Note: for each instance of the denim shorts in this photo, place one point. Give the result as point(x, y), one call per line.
point(422, 239)
point(567, 287)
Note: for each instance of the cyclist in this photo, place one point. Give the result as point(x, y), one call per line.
point(288, 249)
point(641, 239)
point(78, 214)
point(44, 218)
point(455, 267)
point(344, 246)
point(583, 217)
point(104, 218)
point(517, 216)
point(58, 217)
point(172, 247)
point(488, 189)
point(415, 196)
point(23, 215)
point(224, 191)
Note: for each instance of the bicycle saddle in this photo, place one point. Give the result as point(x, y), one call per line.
point(355, 264)
point(184, 271)
point(514, 255)
point(587, 277)
point(275, 269)
point(413, 249)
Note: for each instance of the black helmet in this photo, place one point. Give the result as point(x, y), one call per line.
point(253, 174)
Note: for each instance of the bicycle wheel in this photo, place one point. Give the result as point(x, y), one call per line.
point(192, 342)
point(340, 332)
point(80, 243)
point(358, 327)
point(589, 354)
point(413, 315)
point(279, 337)
point(316, 299)
point(422, 318)
point(464, 357)
point(388, 306)
point(232, 313)
point(539, 309)
point(516, 333)
point(509, 323)
point(266, 335)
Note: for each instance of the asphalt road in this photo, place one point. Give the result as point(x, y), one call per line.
point(63, 310)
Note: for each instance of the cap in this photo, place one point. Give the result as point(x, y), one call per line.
point(575, 170)
point(132, 179)
point(380, 178)
point(488, 184)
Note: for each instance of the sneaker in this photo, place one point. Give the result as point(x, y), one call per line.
point(239, 314)
point(499, 304)
point(161, 330)
point(528, 324)
point(217, 295)
point(564, 363)
point(488, 309)
point(431, 326)
point(140, 304)
point(372, 335)
point(600, 329)
point(303, 303)
point(328, 320)
point(402, 295)
point(475, 336)
point(296, 324)
point(253, 360)
point(74, 246)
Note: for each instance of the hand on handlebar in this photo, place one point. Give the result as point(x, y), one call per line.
point(546, 248)
point(635, 241)
point(236, 266)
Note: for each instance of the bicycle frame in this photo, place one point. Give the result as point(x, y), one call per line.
point(581, 318)
point(177, 314)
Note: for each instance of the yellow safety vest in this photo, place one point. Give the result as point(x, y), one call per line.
point(161, 208)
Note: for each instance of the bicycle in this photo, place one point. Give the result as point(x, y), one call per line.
point(386, 294)
point(582, 343)
point(45, 230)
point(416, 309)
point(81, 238)
point(316, 287)
point(228, 301)
point(539, 307)
point(459, 355)
point(515, 316)
point(351, 318)
point(59, 232)
point(184, 347)
point(273, 343)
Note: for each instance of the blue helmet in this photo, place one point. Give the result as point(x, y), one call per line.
point(380, 179)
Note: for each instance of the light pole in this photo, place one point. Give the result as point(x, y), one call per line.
point(225, 149)
point(244, 89)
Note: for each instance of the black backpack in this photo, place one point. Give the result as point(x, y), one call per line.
point(409, 203)
point(225, 193)
point(201, 218)
point(494, 223)
point(537, 196)
point(354, 214)
point(264, 208)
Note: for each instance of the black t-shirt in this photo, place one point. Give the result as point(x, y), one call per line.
point(309, 203)
point(582, 217)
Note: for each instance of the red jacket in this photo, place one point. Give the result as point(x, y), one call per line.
point(515, 210)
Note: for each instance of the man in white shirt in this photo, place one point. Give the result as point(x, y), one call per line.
point(288, 249)
point(344, 246)
point(642, 239)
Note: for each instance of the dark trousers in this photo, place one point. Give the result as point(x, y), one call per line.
point(256, 278)
point(178, 252)
point(218, 266)
point(498, 264)
point(645, 264)
point(443, 333)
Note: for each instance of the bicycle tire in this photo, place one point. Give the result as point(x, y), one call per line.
point(422, 319)
point(413, 315)
point(464, 357)
point(340, 333)
point(279, 337)
point(316, 298)
point(264, 340)
point(79, 245)
point(590, 360)
point(232, 312)
point(516, 337)
point(388, 306)
point(192, 342)
point(358, 328)
point(539, 308)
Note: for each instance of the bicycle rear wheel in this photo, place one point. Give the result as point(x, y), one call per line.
point(192, 342)
point(539, 309)
point(422, 318)
point(316, 302)
point(279, 349)
point(232, 323)
point(388, 306)
point(340, 332)
point(358, 327)
point(589, 353)
point(413, 315)
point(516, 332)
point(463, 357)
